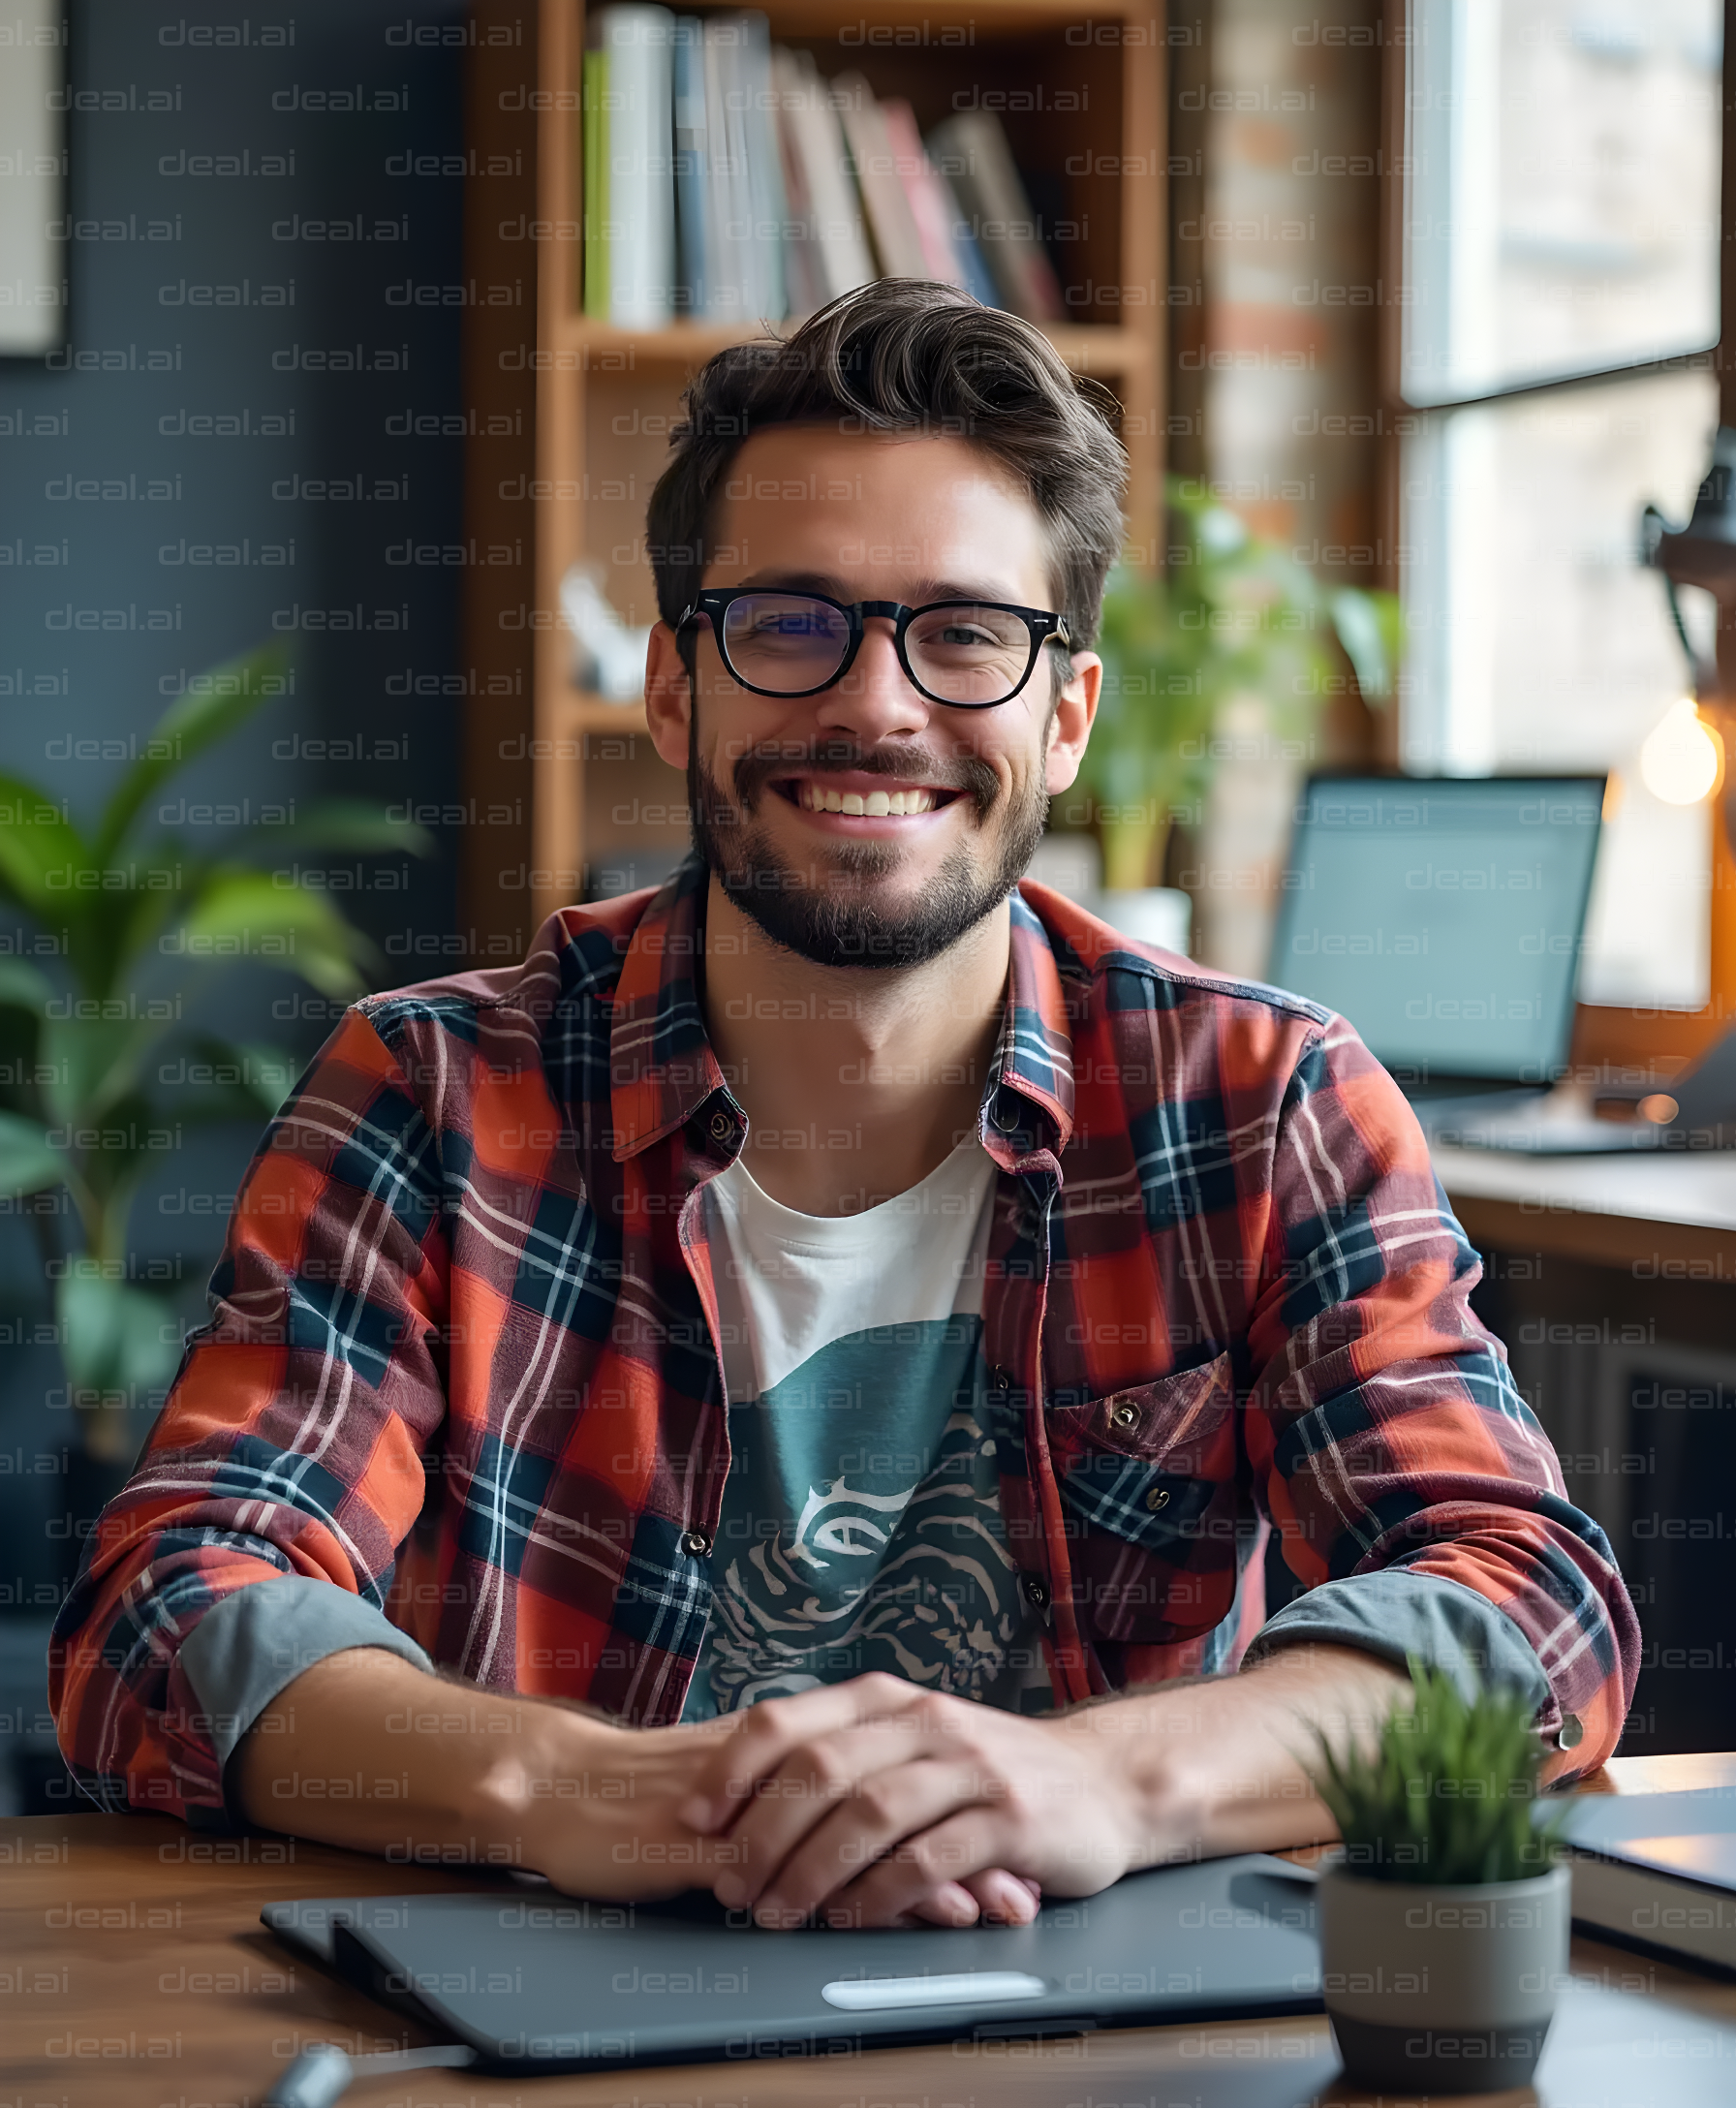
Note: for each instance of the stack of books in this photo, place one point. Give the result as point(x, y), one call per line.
point(724, 181)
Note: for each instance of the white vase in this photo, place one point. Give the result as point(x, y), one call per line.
point(1441, 1989)
point(1157, 915)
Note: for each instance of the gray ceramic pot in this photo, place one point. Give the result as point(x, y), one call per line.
point(1442, 1990)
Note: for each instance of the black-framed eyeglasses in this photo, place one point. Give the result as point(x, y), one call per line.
point(969, 655)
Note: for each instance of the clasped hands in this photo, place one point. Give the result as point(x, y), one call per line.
point(873, 1803)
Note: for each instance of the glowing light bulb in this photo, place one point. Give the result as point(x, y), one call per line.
point(1680, 759)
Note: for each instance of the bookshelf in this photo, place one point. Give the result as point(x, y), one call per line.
point(1080, 92)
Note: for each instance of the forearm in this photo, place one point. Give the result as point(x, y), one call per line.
point(367, 1751)
point(1220, 1766)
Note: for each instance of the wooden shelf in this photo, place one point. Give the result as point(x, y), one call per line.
point(1092, 348)
point(1080, 86)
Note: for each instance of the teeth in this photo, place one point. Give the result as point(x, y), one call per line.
point(877, 805)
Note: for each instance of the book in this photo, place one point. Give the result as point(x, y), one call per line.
point(730, 284)
point(838, 257)
point(931, 207)
point(763, 170)
point(1655, 1870)
point(593, 100)
point(630, 158)
point(972, 152)
point(689, 75)
point(978, 281)
point(885, 201)
point(804, 282)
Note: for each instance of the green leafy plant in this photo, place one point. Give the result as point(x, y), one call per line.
point(1233, 613)
point(104, 1064)
point(1445, 1795)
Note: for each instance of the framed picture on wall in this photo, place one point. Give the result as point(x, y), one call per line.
point(32, 180)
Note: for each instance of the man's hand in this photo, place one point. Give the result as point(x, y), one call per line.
point(365, 1751)
point(873, 1802)
point(876, 1803)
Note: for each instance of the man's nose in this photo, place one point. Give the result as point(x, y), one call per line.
point(874, 699)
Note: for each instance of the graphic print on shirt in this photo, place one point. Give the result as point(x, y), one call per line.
point(860, 1526)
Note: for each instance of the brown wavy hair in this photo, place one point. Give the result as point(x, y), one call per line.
point(904, 355)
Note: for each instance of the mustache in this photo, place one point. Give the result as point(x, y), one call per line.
point(757, 767)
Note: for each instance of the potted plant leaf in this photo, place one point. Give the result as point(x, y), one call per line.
point(1445, 1918)
point(107, 1065)
point(1233, 613)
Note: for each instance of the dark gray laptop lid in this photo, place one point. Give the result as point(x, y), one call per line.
point(543, 1980)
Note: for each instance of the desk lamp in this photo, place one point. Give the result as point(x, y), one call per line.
point(1703, 553)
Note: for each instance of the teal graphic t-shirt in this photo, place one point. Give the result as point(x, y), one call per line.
point(862, 1522)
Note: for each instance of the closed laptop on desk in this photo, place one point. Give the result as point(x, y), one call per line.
point(543, 1980)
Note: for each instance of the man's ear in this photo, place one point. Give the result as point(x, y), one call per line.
point(669, 696)
point(1070, 721)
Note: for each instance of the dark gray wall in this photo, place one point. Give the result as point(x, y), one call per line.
point(266, 208)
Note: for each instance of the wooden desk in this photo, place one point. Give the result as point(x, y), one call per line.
point(1675, 1214)
point(134, 1973)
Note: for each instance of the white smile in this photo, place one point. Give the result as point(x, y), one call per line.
point(813, 797)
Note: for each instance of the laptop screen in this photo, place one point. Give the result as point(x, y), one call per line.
point(1442, 916)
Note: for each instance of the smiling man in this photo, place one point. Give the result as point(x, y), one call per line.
point(788, 1390)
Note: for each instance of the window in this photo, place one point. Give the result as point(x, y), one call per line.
point(1561, 273)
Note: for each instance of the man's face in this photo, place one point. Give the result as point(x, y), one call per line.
point(867, 517)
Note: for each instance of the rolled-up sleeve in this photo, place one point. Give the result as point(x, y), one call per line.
point(1417, 1499)
point(260, 1529)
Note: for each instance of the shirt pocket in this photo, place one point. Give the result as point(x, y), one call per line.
point(1148, 1479)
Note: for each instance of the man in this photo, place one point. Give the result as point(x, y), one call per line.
point(813, 1354)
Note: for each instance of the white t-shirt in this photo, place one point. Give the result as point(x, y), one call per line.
point(862, 1522)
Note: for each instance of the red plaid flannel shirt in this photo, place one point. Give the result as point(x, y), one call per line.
point(462, 1363)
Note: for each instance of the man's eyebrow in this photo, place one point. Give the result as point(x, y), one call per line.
point(920, 591)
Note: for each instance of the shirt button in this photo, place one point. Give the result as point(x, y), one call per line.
point(695, 1543)
point(1570, 1733)
point(1035, 1590)
point(1125, 1415)
point(1157, 1498)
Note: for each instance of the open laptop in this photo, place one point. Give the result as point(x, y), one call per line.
point(1445, 918)
point(537, 1980)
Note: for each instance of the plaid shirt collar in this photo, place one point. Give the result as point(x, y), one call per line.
point(662, 1069)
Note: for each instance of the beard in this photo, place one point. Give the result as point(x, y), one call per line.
point(837, 921)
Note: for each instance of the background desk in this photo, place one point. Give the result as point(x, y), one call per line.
point(1613, 1282)
point(134, 1973)
point(1676, 1215)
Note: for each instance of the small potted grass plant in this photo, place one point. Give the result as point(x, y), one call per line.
point(1444, 1919)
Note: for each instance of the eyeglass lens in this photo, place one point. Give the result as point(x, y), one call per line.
point(789, 643)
